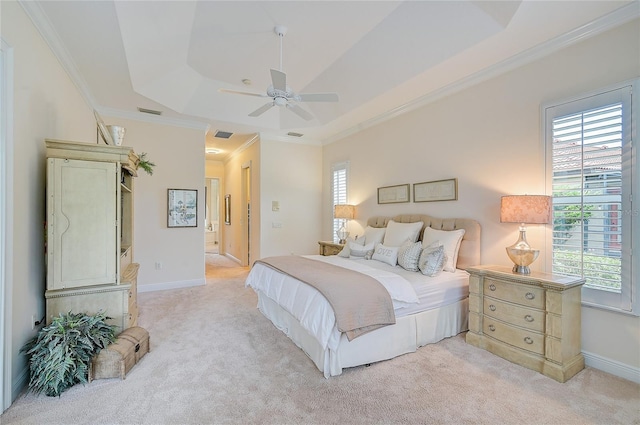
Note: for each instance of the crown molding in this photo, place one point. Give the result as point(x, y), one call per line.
point(614, 19)
point(242, 147)
point(154, 119)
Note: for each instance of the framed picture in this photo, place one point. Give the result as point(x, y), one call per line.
point(393, 194)
point(438, 190)
point(182, 208)
point(227, 209)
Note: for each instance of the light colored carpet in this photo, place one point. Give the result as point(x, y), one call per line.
point(216, 360)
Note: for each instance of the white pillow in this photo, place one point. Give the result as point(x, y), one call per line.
point(432, 259)
point(398, 233)
point(360, 251)
point(374, 235)
point(450, 240)
point(346, 251)
point(409, 254)
point(386, 254)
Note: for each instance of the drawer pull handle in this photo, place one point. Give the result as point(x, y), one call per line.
point(529, 296)
point(492, 328)
point(528, 318)
point(492, 307)
point(492, 287)
point(528, 340)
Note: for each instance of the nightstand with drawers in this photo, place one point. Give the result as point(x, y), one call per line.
point(330, 248)
point(532, 320)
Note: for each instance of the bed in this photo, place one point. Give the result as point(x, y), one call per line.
point(441, 309)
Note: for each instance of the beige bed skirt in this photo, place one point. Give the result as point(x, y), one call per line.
point(406, 336)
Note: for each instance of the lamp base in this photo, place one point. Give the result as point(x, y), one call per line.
point(342, 235)
point(522, 254)
point(521, 269)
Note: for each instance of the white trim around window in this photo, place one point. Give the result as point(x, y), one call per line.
point(591, 171)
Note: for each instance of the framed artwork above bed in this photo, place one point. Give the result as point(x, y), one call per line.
point(437, 190)
point(393, 194)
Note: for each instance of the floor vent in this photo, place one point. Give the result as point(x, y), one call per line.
point(294, 134)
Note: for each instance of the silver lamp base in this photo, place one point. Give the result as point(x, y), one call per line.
point(522, 254)
point(342, 234)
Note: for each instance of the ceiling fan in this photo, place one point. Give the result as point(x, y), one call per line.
point(281, 94)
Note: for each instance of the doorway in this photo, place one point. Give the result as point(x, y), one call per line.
point(212, 216)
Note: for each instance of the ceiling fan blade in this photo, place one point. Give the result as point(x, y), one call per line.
point(279, 80)
point(261, 110)
point(319, 97)
point(301, 112)
point(242, 92)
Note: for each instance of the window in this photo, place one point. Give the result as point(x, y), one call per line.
point(590, 161)
point(339, 191)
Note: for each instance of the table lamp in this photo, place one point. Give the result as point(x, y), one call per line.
point(344, 212)
point(524, 209)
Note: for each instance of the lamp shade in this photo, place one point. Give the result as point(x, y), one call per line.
point(344, 211)
point(529, 209)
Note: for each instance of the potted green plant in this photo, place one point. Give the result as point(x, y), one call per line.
point(146, 164)
point(59, 355)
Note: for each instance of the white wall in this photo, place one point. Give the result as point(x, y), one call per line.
point(489, 137)
point(179, 157)
point(292, 176)
point(46, 105)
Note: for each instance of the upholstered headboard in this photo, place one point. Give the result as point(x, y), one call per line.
point(469, 254)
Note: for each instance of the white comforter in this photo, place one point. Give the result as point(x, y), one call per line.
point(310, 308)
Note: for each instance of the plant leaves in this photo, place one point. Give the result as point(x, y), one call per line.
point(59, 355)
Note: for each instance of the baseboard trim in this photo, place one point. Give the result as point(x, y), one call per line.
point(20, 383)
point(613, 367)
point(152, 287)
point(231, 257)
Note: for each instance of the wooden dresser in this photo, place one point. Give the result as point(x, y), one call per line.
point(532, 320)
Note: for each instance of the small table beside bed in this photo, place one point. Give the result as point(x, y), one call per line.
point(419, 261)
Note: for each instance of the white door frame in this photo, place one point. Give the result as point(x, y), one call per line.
point(6, 221)
point(247, 214)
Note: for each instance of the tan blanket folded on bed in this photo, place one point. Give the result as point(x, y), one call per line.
point(360, 303)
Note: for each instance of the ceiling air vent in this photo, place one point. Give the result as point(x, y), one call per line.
point(223, 134)
point(294, 134)
point(149, 111)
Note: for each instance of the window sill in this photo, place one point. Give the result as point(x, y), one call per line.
point(609, 309)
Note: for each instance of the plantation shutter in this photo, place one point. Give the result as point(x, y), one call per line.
point(339, 192)
point(590, 188)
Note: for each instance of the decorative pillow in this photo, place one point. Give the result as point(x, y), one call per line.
point(346, 251)
point(374, 235)
point(360, 251)
point(450, 240)
point(398, 233)
point(386, 254)
point(432, 259)
point(409, 254)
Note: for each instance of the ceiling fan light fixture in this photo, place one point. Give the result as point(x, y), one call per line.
point(281, 94)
